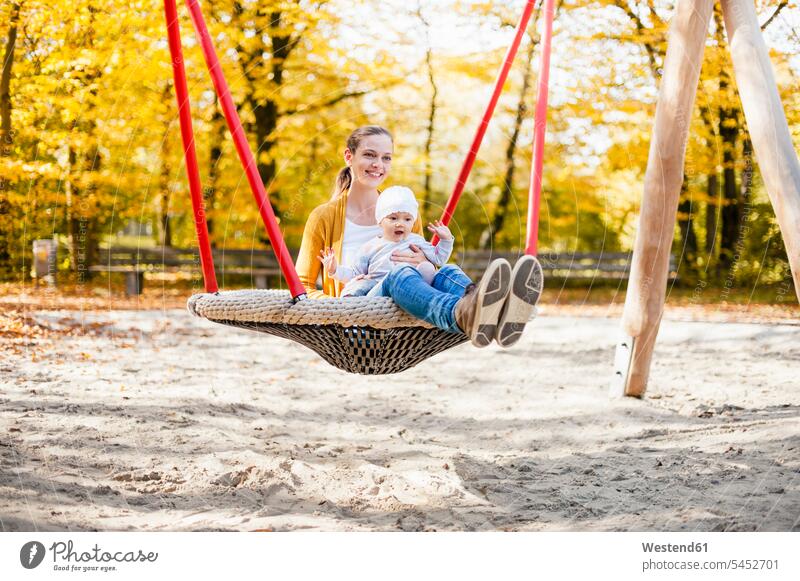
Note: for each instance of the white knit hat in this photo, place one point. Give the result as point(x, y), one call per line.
point(396, 199)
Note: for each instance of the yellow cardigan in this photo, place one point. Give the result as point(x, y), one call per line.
point(325, 228)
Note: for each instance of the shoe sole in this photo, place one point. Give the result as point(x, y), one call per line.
point(492, 293)
point(526, 287)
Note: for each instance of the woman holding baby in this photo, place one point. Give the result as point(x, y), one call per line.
point(370, 243)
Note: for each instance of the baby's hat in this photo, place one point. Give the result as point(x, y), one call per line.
point(396, 199)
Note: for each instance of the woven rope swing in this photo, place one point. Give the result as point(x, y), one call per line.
point(371, 336)
point(357, 334)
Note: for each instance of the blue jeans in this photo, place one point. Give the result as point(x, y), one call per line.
point(434, 303)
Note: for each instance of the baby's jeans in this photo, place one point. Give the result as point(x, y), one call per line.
point(434, 303)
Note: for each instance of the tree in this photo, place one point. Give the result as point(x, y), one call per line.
point(6, 131)
point(426, 196)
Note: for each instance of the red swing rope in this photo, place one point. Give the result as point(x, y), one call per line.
point(469, 161)
point(187, 135)
point(245, 154)
point(242, 147)
point(540, 125)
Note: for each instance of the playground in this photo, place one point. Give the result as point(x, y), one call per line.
point(602, 336)
point(156, 420)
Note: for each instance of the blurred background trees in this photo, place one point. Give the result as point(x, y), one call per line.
point(91, 153)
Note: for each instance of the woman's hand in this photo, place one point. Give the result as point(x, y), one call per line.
point(413, 256)
point(443, 232)
point(328, 260)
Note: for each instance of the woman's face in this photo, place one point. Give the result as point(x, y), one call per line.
point(371, 161)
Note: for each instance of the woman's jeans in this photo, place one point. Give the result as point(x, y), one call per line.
point(435, 302)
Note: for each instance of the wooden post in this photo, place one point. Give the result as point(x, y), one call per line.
point(766, 122)
point(644, 303)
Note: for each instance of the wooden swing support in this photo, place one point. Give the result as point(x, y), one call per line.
point(772, 143)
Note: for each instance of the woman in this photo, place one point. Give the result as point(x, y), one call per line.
point(452, 302)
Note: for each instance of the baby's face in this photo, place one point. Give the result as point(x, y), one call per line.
point(397, 226)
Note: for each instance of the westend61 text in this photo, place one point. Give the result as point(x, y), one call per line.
point(670, 548)
point(96, 554)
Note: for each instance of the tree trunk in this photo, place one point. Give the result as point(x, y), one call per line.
point(6, 133)
point(712, 202)
point(730, 211)
point(165, 225)
point(712, 209)
point(746, 183)
point(426, 200)
point(164, 228)
point(6, 130)
point(84, 226)
point(730, 215)
point(266, 112)
point(69, 212)
point(426, 194)
point(218, 133)
point(688, 239)
point(82, 222)
point(266, 120)
point(83, 245)
point(498, 219)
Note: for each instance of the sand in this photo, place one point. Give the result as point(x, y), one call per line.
point(154, 420)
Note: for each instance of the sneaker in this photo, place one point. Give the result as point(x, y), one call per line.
point(479, 309)
point(520, 306)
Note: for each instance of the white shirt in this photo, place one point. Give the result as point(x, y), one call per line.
point(355, 236)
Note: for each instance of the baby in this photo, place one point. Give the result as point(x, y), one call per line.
point(396, 213)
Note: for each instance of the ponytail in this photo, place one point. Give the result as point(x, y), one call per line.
point(343, 181)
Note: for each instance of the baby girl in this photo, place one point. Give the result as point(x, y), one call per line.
point(396, 212)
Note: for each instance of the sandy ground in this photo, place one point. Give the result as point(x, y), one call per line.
point(153, 420)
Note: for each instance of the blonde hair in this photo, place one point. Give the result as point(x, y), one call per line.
point(344, 179)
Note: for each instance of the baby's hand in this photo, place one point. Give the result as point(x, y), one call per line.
point(328, 260)
point(442, 231)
